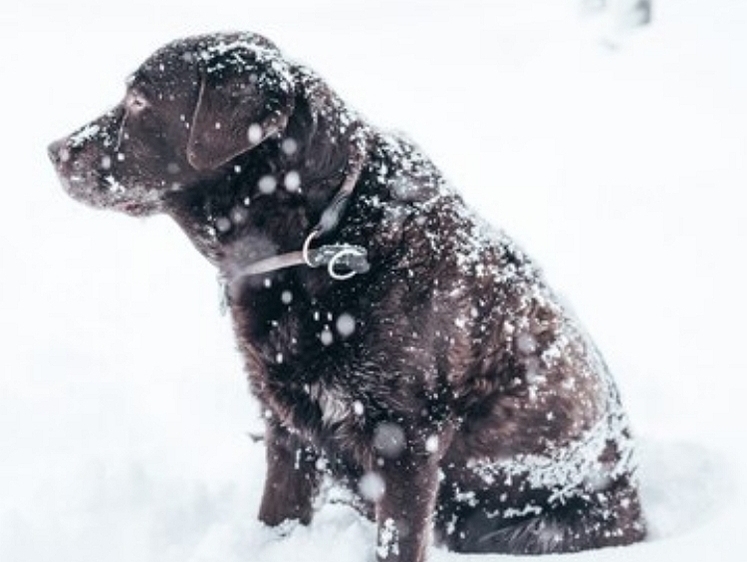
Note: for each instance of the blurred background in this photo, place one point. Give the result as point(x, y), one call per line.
point(608, 137)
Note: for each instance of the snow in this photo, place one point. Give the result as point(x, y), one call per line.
point(326, 336)
point(289, 146)
point(389, 440)
point(615, 157)
point(345, 325)
point(255, 133)
point(388, 539)
point(267, 184)
point(371, 486)
point(565, 469)
point(358, 408)
point(292, 181)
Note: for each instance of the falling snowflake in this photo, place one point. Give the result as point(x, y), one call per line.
point(289, 146)
point(326, 336)
point(254, 134)
point(389, 440)
point(267, 184)
point(223, 224)
point(358, 408)
point(345, 325)
point(371, 486)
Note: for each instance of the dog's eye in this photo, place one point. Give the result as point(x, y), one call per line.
point(136, 102)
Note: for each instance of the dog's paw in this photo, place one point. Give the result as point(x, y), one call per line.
point(281, 530)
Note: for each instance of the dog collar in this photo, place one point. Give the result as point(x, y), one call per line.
point(334, 256)
point(351, 257)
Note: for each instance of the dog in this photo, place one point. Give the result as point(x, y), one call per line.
point(398, 345)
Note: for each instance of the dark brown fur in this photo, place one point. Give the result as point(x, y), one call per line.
point(447, 384)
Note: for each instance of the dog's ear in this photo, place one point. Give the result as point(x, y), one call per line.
point(245, 96)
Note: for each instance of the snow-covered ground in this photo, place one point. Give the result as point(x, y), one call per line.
point(618, 159)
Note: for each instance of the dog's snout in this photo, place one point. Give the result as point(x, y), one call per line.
point(58, 152)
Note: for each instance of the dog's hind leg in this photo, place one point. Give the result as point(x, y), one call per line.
point(611, 517)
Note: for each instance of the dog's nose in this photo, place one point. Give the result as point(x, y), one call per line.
point(58, 152)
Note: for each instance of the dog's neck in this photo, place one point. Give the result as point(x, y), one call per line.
point(243, 238)
point(352, 259)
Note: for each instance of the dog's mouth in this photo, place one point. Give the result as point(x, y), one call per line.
point(135, 209)
point(89, 179)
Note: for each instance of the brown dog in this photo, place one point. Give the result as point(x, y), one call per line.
point(395, 342)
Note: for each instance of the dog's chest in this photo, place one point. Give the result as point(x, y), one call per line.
point(335, 404)
point(321, 411)
point(302, 360)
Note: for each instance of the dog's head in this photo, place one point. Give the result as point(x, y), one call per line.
point(188, 111)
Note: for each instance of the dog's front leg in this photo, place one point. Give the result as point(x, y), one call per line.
point(292, 479)
point(404, 511)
